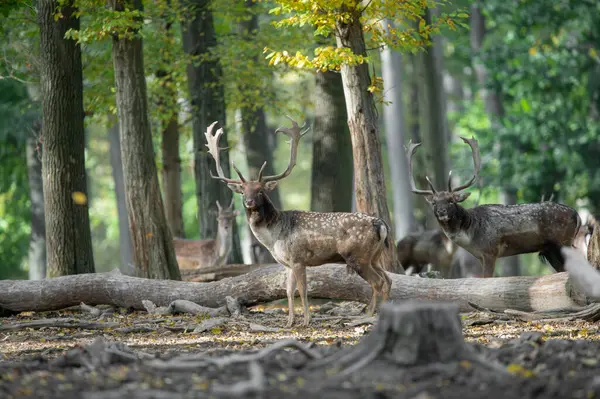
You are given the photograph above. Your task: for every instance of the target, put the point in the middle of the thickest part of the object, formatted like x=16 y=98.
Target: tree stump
x=408 y=334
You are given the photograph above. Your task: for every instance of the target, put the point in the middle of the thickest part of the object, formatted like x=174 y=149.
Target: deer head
x=445 y=203
x=254 y=191
x=225 y=217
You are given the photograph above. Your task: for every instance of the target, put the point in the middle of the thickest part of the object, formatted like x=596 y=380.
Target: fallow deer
x=418 y=249
x=489 y=232
x=196 y=254
x=299 y=239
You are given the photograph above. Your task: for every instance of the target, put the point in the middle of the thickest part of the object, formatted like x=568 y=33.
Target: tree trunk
x=259 y=144
x=116 y=163
x=433 y=120
x=267 y=284
x=395 y=131
x=369 y=176
x=331 y=185
x=37 y=242
x=259 y=148
x=208 y=105
x=495 y=111
x=153 y=252
x=423 y=211
x=170 y=150
x=68 y=239
x=172 y=177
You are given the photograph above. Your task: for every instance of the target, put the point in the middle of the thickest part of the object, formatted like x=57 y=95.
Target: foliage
x=410 y=34
x=542 y=57
x=17 y=114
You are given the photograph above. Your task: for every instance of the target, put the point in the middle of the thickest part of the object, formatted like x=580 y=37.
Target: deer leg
x=290 y=290
x=370 y=275
x=300 y=273
x=489 y=264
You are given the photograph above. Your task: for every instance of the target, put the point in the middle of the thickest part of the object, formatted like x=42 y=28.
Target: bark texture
x=37 y=243
x=208 y=105
x=116 y=163
x=369 y=179
x=268 y=283
x=395 y=133
x=69 y=240
x=172 y=177
x=331 y=185
x=153 y=252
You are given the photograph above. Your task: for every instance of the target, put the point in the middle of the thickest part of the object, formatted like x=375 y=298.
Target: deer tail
x=550 y=254
x=382 y=230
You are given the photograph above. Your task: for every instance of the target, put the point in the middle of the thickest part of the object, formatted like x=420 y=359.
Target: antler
x=212 y=141
x=476 y=162
x=410 y=150
x=295 y=133
x=219 y=207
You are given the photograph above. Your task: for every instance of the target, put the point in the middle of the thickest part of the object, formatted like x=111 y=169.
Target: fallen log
x=207 y=274
x=527 y=293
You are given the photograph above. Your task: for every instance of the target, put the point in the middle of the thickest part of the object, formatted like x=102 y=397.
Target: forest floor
x=75 y=354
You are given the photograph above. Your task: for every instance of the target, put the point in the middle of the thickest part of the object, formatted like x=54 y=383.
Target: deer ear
x=270 y=186
x=460 y=197
x=236 y=212
x=213 y=212
x=236 y=188
x=429 y=199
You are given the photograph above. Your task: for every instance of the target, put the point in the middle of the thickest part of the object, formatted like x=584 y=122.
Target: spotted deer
x=196 y=254
x=300 y=239
x=489 y=232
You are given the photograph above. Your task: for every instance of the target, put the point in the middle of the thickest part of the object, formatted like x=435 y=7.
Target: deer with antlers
x=300 y=239
x=489 y=232
x=195 y=254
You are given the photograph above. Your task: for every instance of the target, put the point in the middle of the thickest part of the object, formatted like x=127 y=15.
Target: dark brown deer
x=298 y=239
x=489 y=232
x=196 y=254
x=418 y=249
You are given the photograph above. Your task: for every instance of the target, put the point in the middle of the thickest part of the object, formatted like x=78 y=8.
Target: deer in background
x=418 y=249
x=300 y=239
x=489 y=232
x=197 y=254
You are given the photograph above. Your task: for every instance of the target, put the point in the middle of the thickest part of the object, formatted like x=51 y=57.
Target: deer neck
x=262 y=221
x=456 y=228
x=263 y=216
x=223 y=242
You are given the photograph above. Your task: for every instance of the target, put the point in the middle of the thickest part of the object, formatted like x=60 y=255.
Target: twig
x=256 y=383
x=58 y=323
x=190 y=362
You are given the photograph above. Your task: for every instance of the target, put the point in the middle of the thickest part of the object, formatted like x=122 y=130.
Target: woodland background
x=523 y=77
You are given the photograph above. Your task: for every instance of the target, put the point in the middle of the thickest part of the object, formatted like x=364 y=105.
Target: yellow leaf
x=79 y=198
x=519 y=370
x=533 y=51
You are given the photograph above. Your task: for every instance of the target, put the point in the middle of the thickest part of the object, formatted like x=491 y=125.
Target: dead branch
x=255 y=384
x=184 y=306
x=58 y=323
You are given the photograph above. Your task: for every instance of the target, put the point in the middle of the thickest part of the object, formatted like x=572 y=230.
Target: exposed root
x=184 y=306
x=255 y=384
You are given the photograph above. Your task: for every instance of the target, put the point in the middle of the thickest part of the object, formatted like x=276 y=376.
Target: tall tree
x=37 y=243
x=332 y=175
x=346 y=19
x=69 y=242
x=168 y=110
x=259 y=144
x=395 y=132
x=495 y=110
x=433 y=119
x=153 y=252
x=116 y=162
x=208 y=105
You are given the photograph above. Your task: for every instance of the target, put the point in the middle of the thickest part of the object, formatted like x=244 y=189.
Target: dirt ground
x=141 y=355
